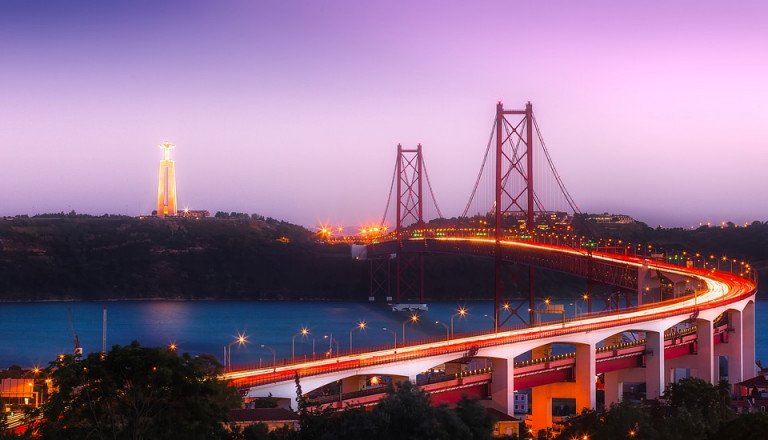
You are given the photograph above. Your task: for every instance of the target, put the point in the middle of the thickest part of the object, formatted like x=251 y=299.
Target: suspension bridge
x=676 y=319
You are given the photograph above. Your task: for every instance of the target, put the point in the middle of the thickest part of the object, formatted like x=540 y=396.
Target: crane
x=75 y=338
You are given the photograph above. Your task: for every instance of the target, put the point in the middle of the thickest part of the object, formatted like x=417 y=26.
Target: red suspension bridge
x=506 y=220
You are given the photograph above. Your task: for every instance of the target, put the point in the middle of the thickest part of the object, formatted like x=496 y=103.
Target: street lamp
x=413 y=319
x=241 y=340
x=447 y=337
x=361 y=326
x=332 y=341
x=303 y=333
x=393 y=334
x=274 y=366
x=462 y=312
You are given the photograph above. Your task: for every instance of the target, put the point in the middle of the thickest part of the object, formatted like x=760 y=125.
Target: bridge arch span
x=716 y=294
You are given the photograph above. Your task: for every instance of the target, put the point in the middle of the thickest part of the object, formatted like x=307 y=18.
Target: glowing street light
x=241 y=340
x=413 y=319
x=462 y=312
x=361 y=326
x=303 y=333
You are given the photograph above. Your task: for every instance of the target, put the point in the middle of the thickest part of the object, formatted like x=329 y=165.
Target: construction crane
x=75 y=338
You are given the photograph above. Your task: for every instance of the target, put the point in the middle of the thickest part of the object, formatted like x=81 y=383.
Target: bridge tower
x=410 y=213
x=514 y=190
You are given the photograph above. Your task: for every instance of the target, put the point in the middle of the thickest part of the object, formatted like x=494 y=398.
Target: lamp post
x=274 y=367
x=303 y=333
x=393 y=334
x=413 y=319
x=496 y=323
x=241 y=340
x=447 y=337
x=332 y=341
x=462 y=312
x=361 y=326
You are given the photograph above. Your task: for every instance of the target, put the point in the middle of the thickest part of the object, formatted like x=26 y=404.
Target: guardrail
x=722 y=264
x=740 y=287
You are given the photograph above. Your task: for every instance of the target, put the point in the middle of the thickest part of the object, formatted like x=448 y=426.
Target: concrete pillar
x=654 y=365
x=703 y=363
x=614 y=388
x=584 y=373
x=503 y=384
x=615 y=382
x=734 y=348
x=643 y=281
x=352 y=383
x=748 y=341
x=541 y=407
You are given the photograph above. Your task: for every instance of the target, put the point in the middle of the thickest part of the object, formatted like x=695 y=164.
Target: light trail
x=720 y=289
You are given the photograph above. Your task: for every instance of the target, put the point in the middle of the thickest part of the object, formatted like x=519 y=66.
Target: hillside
x=74 y=257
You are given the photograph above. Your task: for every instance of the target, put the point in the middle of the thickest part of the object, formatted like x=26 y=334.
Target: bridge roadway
x=719 y=293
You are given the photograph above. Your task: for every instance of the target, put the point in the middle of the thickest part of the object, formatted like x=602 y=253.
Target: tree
x=475 y=417
x=698 y=407
x=752 y=426
x=136 y=392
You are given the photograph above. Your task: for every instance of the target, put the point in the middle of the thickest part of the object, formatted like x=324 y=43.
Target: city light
x=240 y=341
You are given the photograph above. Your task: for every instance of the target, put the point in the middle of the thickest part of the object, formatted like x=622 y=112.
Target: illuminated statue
x=166 y=188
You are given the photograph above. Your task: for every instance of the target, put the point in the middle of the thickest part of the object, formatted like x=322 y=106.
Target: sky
x=293 y=109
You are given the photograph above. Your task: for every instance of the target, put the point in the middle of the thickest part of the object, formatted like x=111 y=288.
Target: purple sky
x=293 y=109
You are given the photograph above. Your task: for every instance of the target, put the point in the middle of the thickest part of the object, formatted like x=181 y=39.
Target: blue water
x=35 y=333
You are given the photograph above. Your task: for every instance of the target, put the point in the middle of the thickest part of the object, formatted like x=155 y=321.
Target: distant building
x=18 y=391
x=752 y=394
x=618 y=219
x=274 y=418
x=196 y=214
x=521 y=403
x=505 y=425
x=166 y=187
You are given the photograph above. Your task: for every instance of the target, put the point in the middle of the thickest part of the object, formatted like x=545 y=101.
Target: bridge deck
x=722 y=289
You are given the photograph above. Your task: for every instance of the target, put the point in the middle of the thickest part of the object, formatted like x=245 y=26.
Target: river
x=33 y=334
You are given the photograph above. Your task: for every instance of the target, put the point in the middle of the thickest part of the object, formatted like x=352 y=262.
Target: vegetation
x=96 y=258
x=404 y=413
x=136 y=392
x=691 y=409
x=235 y=256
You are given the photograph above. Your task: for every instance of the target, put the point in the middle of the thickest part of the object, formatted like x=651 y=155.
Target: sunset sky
x=293 y=109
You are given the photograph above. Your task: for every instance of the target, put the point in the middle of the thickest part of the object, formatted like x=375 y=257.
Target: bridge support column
x=704 y=362
x=643 y=284
x=654 y=365
x=748 y=340
x=352 y=384
x=584 y=373
x=734 y=348
x=503 y=384
x=614 y=383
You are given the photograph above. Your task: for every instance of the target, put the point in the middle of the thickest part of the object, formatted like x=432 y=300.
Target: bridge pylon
x=409 y=268
x=513 y=131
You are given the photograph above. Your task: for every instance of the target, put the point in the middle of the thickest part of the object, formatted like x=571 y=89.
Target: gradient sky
x=293 y=109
